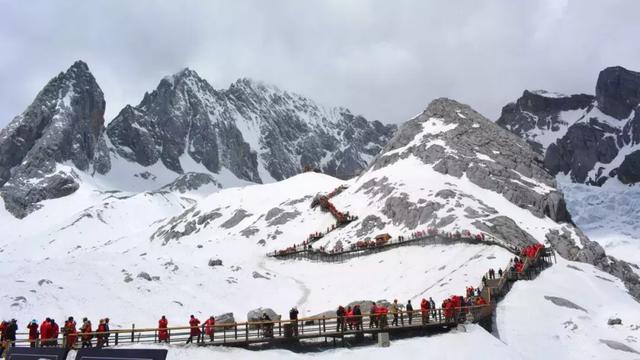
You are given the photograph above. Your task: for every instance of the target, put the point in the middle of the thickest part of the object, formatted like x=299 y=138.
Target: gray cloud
x=384 y=59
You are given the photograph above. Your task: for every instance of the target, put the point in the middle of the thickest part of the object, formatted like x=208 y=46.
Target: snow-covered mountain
x=162 y=213
x=256 y=131
x=249 y=133
x=63 y=125
x=590 y=139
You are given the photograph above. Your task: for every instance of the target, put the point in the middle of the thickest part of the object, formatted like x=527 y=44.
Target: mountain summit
x=590 y=139
x=63 y=125
x=256 y=131
x=248 y=133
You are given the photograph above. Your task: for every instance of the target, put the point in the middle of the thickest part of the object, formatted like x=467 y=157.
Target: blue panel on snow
x=121 y=354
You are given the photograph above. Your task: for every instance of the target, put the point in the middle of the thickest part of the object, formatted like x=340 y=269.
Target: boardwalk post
x=246 y=332
x=235 y=331
x=324 y=324
x=133 y=336
x=279 y=328
x=116 y=338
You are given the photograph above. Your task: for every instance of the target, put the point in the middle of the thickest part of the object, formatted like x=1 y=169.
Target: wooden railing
x=279 y=330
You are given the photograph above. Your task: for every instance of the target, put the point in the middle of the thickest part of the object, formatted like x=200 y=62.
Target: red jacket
x=85 y=331
x=195 y=329
x=424 y=305
x=33 y=331
x=163 y=333
x=45 y=330
x=55 y=330
x=209 y=326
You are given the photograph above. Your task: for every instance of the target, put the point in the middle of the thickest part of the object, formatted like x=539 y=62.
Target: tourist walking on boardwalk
x=424 y=310
x=100 y=337
x=55 y=331
x=85 y=333
x=106 y=336
x=373 y=318
x=340 y=314
x=409 y=309
x=10 y=333
x=163 y=332
x=194 y=324
x=70 y=333
x=209 y=327
x=357 y=314
x=394 y=312
x=45 y=330
x=432 y=306
x=500 y=272
x=33 y=333
x=350 y=317
x=293 y=316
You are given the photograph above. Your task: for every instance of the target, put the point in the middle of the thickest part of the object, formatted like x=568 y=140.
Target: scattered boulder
x=145 y=276
x=614 y=321
x=215 y=262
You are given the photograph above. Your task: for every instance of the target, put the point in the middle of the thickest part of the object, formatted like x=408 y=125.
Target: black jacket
x=10 y=331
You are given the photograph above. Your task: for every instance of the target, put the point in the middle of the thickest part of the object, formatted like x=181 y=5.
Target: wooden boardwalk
x=324 y=330
x=314 y=254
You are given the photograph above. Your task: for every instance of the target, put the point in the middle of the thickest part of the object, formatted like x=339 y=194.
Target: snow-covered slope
x=588 y=138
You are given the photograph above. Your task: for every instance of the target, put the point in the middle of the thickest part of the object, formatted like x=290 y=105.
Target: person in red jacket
x=70 y=332
x=86 y=333
x=163 y=333
x=349 y=316
x=373 y=318
x=54 y=333
x=424 y=309
x=382 y=316
x=195 y=329
x=100 y=338
x=45 y=332
x=209 y=327
x=33 y=333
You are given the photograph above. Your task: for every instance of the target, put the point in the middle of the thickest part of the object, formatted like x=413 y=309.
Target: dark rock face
x=535 y=110
x=247 y=125
x=618 y=91
x=190 y=182
x=629 y=170
x=580 y=135
x=64 y=123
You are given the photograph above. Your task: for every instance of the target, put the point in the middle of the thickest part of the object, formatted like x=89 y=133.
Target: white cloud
x=383 y=59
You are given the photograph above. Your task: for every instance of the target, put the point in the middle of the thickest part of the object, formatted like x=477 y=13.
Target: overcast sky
x=383 y=59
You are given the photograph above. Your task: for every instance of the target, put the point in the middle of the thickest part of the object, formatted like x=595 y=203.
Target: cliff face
x=64 y=124
x=256 y=131
x=589 y=138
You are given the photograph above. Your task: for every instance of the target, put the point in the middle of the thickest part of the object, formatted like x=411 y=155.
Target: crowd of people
x=48 y=333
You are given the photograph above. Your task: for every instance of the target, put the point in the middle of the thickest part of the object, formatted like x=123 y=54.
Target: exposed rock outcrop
x=589 y=138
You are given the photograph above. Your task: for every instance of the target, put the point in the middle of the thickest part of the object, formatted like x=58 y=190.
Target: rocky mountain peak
x=456 y=140
x=64 y=123
x=618 y=91
x=257 y=131
x=588 y=138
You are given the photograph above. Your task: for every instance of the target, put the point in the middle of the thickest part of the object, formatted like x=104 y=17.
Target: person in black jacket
x=10 y=332
x=340 y=313
x=409 y=309
x=357 y=314
x=293 y=316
